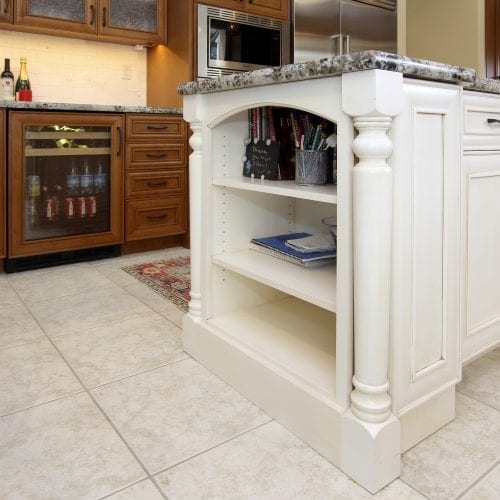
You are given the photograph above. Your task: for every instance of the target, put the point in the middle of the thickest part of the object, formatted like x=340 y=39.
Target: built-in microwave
x=231 y=41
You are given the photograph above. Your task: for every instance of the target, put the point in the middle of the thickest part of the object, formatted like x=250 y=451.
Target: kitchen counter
x=333 y=66
x=97 y=108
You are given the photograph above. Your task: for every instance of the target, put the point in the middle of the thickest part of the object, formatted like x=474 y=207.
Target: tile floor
x=98 y=400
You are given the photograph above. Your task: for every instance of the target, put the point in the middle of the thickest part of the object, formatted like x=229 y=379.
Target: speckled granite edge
x=100 y=108
x=483 y=85
x=332 y=66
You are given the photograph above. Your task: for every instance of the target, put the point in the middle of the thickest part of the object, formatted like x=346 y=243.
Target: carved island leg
x=371 y=434
x=195 y=217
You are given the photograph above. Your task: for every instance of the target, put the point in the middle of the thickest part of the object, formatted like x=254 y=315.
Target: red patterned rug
x=170 y=278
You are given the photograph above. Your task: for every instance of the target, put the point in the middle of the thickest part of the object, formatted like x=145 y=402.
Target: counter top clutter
x=359 y=357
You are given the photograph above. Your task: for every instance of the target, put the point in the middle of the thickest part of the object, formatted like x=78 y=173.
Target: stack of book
x=277 y=246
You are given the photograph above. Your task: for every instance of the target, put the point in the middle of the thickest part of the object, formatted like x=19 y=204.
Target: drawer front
x=481 y=121
x=155 y=127
x=156 y=156
x=140 y=184
x=153 y=218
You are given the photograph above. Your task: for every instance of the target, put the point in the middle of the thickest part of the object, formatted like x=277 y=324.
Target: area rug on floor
x=170 y=278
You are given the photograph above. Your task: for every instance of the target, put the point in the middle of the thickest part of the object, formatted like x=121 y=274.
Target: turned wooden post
x=371 y=434
x=195 y=216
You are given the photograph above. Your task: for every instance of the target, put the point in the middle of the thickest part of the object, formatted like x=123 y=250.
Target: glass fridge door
x=66 y=180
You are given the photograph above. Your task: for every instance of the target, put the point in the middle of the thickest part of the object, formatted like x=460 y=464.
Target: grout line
x=478 y=480
x=222 y=443
x=477 y=400
x=414 y=488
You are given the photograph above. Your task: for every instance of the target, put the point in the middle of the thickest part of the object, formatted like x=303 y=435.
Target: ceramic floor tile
x=486 y=489
x=86 y=310
x=65 y=449
x=8 y=295
x=266 y=463
x=17 y=326
x=145 y=490
x=445 y=464
x=481 y=379
x=31 y=374
x=172 y=413
x=57 y=282
x=117 y=350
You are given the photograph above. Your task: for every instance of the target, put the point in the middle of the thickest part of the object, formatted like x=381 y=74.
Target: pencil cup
x=311 y=167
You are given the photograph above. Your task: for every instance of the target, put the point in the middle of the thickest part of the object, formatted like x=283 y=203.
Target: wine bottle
x=23 y=82
x=7 y=78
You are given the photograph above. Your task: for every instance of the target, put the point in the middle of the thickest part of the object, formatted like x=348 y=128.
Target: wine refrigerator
x=65 y=182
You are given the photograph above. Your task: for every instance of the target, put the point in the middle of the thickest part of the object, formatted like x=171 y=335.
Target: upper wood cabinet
x=271 y=8
x=6 y=12
x=117 y=21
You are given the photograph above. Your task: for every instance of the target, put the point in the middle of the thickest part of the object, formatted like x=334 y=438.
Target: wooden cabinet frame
x=2 y=183
x=17 y=245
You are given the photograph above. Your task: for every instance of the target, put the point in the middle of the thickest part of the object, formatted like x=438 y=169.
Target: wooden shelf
x=316 y=285
x=326 y=193
x=292 y=336
x=66 y=151
x=61 y=134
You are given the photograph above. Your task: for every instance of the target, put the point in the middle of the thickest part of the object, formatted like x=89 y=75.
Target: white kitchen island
x=359 y=359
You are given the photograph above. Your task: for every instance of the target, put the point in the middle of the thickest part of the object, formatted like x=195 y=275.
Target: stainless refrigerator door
x=366 y=27
x=317 y=29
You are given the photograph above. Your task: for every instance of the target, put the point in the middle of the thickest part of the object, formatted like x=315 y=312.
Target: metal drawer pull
x=157 y=127
x=157 y=217
x=493 y=120
x=156 y=155
x=157 y=184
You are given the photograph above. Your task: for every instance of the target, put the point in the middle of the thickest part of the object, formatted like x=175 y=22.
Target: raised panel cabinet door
x=273 y=8
x=6 y=11
x=143 y=21
x=63 y=15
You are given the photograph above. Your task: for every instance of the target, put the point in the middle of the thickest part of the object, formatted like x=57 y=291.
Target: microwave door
x=217 y=45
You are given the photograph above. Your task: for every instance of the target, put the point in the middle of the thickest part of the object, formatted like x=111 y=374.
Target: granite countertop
x=100 y=108
x=483 y=85
x=333 y=66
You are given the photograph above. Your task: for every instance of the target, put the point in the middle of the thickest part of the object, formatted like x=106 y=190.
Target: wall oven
x=231 y=41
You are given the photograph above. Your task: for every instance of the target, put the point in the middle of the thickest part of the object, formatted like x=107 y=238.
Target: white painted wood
x=481 y=217
x=426 y=249
x=327 y=193
x=314 y=285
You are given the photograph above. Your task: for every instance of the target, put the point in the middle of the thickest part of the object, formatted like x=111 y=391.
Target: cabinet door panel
x=6 y=11
x=273 y=8
x=2 y=183
x=141 y=21
x=481 y=216
x=65 y=15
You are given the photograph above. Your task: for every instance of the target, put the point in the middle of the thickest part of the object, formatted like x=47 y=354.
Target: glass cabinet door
x=69 y=15
x=143 y=20
x=66 y=183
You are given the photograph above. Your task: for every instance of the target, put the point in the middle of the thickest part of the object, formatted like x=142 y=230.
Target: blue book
x=276 y=246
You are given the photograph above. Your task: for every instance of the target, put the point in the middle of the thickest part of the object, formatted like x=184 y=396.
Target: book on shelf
x=276 y=246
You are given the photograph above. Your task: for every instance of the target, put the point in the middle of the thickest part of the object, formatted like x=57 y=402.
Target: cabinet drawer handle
x=156 y=184
x=157 y=217
x=120 y=140
x=156 y=155
x=6 y=6
x=92 y=15
x=493 y=120
x=104 y=16
x=157 y=127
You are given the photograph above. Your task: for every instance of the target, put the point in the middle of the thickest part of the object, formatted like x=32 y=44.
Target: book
x=275 y=246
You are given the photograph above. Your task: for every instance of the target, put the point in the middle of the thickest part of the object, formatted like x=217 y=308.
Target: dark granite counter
x=483 y=85
x=97 y=108
x=333 y=66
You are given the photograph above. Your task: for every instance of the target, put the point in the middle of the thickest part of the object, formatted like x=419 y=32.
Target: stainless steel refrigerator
x=324 y=28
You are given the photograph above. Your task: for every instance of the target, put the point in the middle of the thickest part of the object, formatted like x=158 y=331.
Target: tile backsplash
x=78 y=71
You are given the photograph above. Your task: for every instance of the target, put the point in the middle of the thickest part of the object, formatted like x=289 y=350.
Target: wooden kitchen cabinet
x=2 y=185
x=6 y=12
x=65 y=182
x=480 y=225
x=117 y=21
x=272 y=8
x=156 y=176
